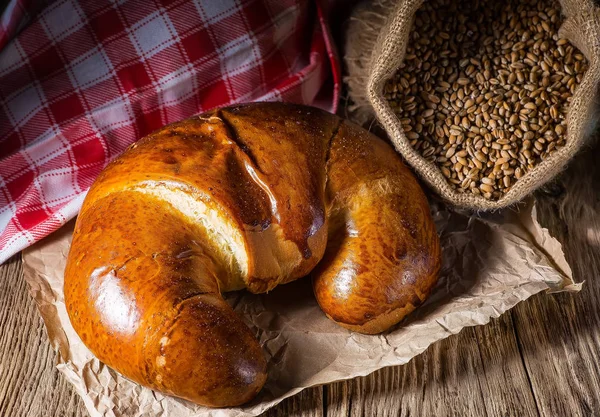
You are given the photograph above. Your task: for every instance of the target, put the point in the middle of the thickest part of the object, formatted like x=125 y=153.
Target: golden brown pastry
x=383 y=252
x=249 y=197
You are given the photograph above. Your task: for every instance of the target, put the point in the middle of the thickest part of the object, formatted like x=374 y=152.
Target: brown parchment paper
x=490 y=264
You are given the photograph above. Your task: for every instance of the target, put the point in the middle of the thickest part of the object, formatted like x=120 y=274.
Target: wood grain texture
x=504 y=382
x=560 y=335
x=30 y=385
x=478 y=372
x=308 y=403
x=432 y=384
x=541 y=359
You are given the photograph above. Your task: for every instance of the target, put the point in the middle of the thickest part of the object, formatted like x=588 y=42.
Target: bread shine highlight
x=251 y=196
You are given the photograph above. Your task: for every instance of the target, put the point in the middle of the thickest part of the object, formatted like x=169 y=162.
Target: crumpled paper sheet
x=489 y=264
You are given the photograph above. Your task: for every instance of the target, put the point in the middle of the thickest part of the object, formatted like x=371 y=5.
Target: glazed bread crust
x=383 y=255
x=250 y=197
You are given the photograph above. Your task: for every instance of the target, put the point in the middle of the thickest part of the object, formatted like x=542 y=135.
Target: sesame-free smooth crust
x=250 y=197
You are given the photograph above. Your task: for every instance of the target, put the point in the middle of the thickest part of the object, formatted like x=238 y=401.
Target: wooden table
x=540 y=359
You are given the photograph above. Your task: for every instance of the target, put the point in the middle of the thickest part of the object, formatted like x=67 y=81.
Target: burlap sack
x=376 y=39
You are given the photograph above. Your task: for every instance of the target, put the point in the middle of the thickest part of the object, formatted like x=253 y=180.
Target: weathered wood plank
x=30 y=385
x=452 y=388
x=561 y=355
x=560 y=335
x=504 y=381
x=473 y=373
x=308 y=403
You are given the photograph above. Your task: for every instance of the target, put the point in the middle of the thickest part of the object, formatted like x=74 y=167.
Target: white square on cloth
x=112 y=115
x=52 y=186
x=216 y=9
x=153 y=34
x=25 y=104
x=90 y=69
x=177 y=86
x=11 y=56
x=240 y=55
x=48 y=146
x=62 y=19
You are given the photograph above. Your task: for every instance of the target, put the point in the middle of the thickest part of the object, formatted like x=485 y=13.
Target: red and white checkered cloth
x=84 y=79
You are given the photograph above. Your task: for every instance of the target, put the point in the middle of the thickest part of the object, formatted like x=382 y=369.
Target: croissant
x=250 y=196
